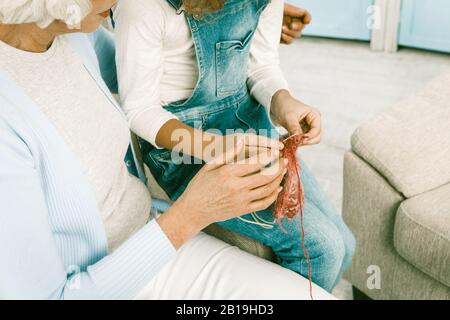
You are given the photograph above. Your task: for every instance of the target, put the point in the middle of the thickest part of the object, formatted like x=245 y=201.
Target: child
x=199 y=65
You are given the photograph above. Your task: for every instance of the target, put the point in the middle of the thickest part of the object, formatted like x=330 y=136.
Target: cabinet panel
x=346 y=19
x=425 y=24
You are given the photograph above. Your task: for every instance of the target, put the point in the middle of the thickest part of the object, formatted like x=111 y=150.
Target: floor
x=349 y=83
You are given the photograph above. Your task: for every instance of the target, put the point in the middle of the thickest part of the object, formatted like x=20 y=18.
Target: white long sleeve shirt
x=157 y=63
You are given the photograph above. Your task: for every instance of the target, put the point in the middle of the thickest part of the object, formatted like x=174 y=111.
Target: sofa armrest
x=410 y=144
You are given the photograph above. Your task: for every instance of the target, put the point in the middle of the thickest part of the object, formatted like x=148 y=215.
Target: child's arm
x=174 y=134
x=140 y=33
x=268 y=85
x=140 y=36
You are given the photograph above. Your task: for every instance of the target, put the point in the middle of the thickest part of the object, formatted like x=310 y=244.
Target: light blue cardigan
x=52 y=240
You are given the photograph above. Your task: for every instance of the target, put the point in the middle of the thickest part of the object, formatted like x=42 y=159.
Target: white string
x=263 y=220
x=264 y=224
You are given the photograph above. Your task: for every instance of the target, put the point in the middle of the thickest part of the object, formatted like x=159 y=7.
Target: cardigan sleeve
x=104 y=45
x=31 y=266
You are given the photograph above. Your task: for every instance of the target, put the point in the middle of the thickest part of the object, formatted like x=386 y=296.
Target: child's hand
x=253 y=144
x=296 y=117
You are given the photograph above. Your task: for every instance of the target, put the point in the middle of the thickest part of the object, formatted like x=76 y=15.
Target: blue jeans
x=329 y=242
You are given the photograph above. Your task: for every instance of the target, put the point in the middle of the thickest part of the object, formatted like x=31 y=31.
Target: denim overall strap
x=177 y=4
x=222 y=42
x=221 y=100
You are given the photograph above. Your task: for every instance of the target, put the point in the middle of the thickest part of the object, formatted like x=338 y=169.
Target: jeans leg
x=315 y=195
x=322 y=240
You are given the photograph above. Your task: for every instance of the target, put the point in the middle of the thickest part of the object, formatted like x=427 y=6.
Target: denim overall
x=221 y=100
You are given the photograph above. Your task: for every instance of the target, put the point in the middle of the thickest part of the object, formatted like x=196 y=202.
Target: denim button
x=128 y=163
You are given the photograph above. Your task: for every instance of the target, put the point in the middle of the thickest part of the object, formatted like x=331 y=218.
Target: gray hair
x=43 y=12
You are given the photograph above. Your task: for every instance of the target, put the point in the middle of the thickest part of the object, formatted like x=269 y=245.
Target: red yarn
x=291 y=199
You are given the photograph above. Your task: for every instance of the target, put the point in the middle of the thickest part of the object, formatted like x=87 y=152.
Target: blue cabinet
x=425 y=24
x=345 y=19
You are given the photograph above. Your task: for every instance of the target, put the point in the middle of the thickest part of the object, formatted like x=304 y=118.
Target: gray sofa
x=397 y=198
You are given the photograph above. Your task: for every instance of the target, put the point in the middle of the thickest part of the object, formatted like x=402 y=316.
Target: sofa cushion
x=422 y=233
x=410 y=144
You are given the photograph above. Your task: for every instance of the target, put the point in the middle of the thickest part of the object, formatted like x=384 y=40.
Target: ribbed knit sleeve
x=32 y=266
x=124 y=273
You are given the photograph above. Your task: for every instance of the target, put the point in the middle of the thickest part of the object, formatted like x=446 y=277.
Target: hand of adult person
x=222 y=190
x=294 y=21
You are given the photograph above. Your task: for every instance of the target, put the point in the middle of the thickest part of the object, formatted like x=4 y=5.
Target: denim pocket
x=232 y=63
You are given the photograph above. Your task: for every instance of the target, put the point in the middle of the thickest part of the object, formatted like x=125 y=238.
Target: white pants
x=207 y=268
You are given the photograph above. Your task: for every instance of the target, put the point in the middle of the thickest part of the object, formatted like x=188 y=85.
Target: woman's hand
x=296 y=117
x=222 y=190
x=294 y=21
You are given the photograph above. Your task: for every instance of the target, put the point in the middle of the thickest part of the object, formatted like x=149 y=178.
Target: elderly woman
x=73 y=222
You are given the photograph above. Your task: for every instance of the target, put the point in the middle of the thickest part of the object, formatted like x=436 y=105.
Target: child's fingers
x=251 y=151
x=316 y=140
x=315 y=126
x=262 y=141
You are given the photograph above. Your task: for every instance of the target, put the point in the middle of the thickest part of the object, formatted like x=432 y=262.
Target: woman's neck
x=29 y=37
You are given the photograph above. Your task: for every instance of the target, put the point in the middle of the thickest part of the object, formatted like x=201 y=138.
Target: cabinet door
x=346 y=19
x=425 y=24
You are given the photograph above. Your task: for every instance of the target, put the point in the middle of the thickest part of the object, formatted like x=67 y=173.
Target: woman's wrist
x=180 y=223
